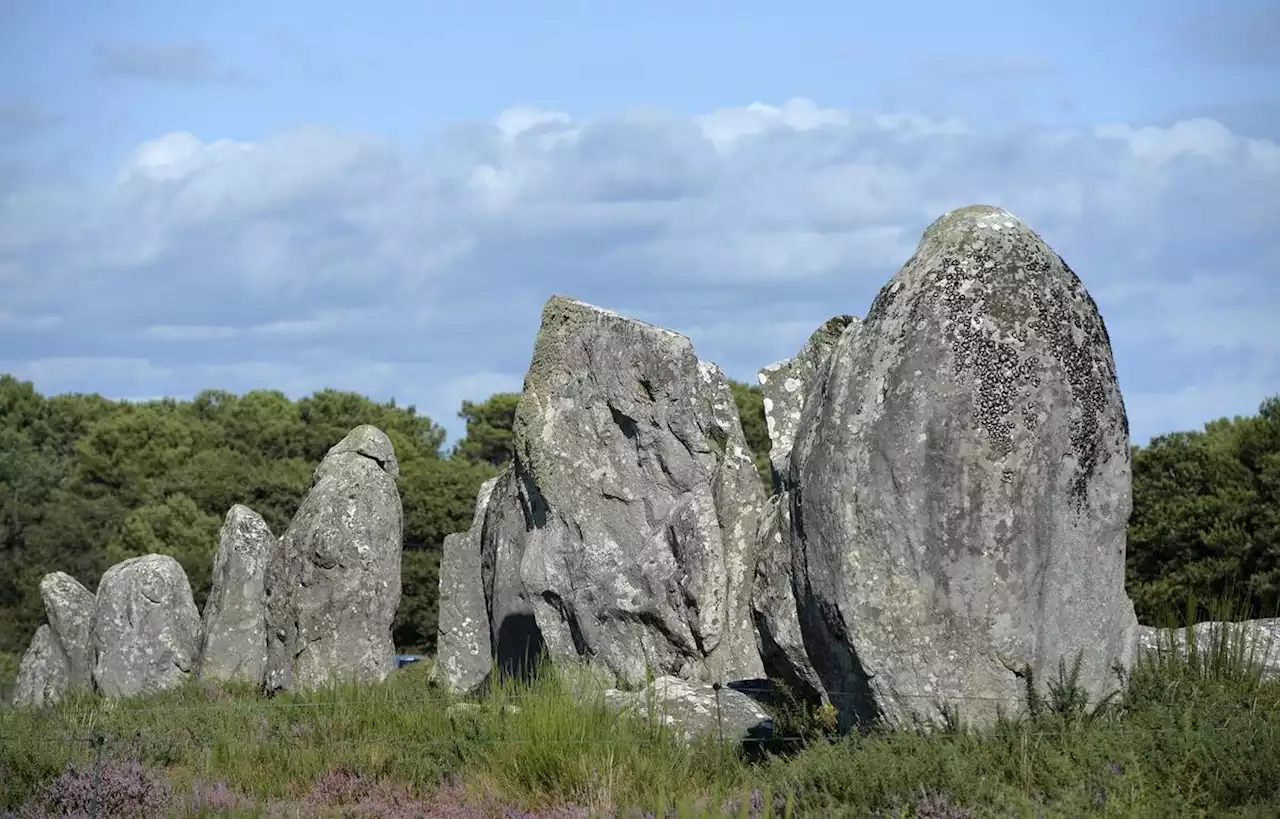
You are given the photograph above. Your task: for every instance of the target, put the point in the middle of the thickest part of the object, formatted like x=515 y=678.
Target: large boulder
x=44 y=675
x=333 y=583
x=234 y=645
x=463 y=644
x=785 y=386
x=624 y=533
x=964 y=485
x=146 y=628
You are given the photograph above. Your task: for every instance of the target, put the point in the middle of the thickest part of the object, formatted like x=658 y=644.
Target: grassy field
x=1193 y=733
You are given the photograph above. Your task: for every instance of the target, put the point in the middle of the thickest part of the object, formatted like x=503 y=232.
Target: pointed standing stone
x=333 y=584
x=234 y=645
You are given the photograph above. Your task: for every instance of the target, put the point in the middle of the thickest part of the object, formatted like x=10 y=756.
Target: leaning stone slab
x=464 y=654
x=69 y=607
x=234 y=646
x=146 y=629
x=773 y=601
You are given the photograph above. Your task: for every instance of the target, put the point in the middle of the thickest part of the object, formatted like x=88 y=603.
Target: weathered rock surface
x=625 y=531
x=234 y=645
x=44 y=674
x=1257 y=641
x=68 y=605
x=773 y=605
x=333 y=583
x=692 y=712
x=146 y=629
x=785 y=386
x=463 y=644
x=964 y=476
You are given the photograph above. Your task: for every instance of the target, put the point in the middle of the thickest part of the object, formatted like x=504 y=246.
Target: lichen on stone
x=1003 y=297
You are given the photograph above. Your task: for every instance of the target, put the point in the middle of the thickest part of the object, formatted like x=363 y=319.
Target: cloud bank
x=314 y=257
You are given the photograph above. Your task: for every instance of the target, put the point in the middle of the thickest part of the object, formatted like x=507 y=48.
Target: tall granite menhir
x=964 y=476
x=624 y=534
x=333 y=583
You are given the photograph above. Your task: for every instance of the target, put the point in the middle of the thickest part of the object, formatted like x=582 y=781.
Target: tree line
x=86 y=482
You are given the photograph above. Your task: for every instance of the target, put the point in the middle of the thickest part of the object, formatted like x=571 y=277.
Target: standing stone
x=624 y=535
x=463 y=643
x=333 y=584
x=44 y=673
x=69 y=607
x=964 y=485
x=234 y=646
x=785 y=386
x=146 y=629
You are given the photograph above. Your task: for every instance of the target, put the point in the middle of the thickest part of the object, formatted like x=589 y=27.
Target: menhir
x=963 y=478
x=624 y=534
x=333 y=582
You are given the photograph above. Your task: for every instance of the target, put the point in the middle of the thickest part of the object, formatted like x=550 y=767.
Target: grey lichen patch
x=1005 y=299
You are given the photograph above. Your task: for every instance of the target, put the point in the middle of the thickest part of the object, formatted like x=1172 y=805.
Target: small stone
x=696 y=710
x=44 y=673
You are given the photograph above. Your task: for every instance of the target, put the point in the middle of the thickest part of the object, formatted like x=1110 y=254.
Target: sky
x=379 y=197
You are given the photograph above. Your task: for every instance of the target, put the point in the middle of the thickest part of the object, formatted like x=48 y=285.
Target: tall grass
x=1194 y=731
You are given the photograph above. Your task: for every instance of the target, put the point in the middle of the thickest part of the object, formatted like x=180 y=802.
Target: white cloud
x=316 y=257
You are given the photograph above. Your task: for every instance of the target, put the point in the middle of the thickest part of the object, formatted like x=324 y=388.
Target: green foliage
x=1206 y=516
x=489 y=439
x=176 y=527
x=750 y=401
x=86 y=482
x=439 y=498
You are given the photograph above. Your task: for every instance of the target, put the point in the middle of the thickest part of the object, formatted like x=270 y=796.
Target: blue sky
x=379 y=197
